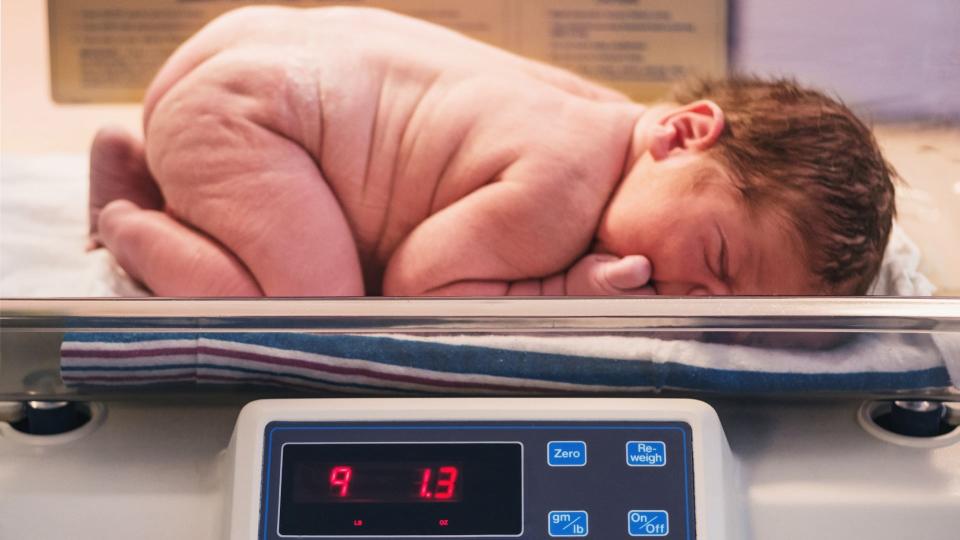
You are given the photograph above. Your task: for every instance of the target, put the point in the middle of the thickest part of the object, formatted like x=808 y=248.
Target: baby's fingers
x=628 y=275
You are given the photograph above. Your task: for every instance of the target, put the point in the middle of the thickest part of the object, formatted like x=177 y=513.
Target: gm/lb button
x=648 y=523
x=646 y=453
x=566 y=453
x=567 y=523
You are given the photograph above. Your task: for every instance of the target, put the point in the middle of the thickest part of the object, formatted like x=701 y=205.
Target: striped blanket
x=500 y=364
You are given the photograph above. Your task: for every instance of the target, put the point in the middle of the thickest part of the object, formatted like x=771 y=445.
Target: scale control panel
x=603 y=479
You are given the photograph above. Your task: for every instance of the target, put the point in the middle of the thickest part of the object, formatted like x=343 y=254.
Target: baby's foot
x=118 y=170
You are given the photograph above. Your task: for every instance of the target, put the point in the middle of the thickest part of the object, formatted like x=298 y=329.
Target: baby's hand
x=599 y=274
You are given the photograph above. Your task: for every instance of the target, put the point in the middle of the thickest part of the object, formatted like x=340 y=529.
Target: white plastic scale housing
x=715 y=490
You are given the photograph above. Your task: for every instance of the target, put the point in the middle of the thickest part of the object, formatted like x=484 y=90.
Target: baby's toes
x=118 y=170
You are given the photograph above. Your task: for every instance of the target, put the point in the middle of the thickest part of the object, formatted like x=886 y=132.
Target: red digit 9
x=340 y=480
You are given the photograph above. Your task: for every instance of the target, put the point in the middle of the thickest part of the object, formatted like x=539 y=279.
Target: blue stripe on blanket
x=456 y=361
x=132 y=337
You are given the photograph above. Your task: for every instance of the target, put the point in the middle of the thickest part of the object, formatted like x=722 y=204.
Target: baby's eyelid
x=723 y=263
x=712 y=263
x=724 y=269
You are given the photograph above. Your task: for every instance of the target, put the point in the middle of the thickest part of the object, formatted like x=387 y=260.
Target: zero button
x=566 y=453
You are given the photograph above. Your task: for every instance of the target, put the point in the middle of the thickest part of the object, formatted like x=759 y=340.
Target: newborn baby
x=352 y=151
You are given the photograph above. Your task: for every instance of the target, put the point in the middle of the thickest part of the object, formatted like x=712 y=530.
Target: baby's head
x=750 y=186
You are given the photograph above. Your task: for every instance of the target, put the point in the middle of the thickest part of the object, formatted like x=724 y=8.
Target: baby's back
x=401 y=118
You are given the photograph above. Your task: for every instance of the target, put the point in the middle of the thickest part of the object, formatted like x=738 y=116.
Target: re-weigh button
x=648 y=523
x=646 y=453
x=563 y=523
x=566 y=453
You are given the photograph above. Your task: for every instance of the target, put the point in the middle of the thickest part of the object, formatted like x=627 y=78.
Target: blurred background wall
x=896 y=60
x=892 y=60
x=29 y=120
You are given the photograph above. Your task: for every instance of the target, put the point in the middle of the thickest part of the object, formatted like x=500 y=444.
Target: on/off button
x=648 y=523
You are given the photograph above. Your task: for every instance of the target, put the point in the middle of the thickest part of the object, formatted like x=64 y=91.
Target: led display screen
x=392 y=489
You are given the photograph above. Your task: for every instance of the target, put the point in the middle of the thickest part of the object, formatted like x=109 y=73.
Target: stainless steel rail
x=501 y=315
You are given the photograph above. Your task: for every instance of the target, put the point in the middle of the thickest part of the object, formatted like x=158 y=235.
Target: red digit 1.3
x=425 y=484
x=340 y=480
x=446 y=482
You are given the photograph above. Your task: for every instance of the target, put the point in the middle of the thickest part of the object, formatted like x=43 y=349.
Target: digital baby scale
x=479 y=468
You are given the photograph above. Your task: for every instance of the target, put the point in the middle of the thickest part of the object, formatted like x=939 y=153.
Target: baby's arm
x=490 y=243
x=593 y=275
x=532 y=223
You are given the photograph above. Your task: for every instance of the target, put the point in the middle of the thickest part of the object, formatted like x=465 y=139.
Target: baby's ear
x=693 y=127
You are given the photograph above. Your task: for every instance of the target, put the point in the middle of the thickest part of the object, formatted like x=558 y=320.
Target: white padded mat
x=43 y=224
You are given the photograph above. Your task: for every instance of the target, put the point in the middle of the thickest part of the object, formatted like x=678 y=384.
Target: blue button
x=648 y=523
x=566 y=453
x=646 y=453
x=567 y=523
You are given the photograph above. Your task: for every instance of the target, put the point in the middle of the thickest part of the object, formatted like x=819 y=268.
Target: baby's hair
x=807 y=158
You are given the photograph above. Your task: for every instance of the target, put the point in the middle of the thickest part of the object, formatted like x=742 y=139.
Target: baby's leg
x=278 y=215
x=225 y=145
x=118 y=170
x=170 y=258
